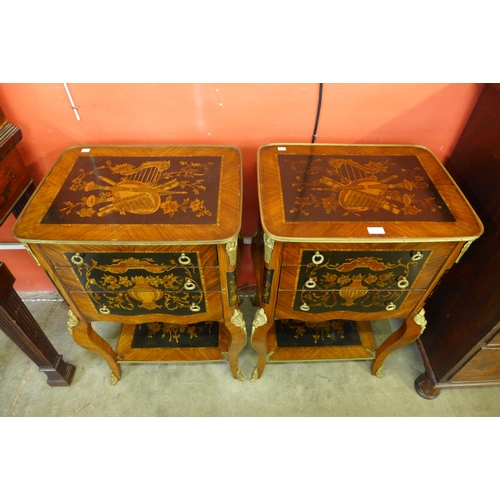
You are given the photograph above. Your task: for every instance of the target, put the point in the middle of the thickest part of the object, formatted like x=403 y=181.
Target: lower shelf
x=155 y=342
x=291 y=340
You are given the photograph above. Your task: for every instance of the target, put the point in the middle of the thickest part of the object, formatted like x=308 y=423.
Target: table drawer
x=391 y=303
x=118 y=279
x=129 y=256
x=341 y=277
x=484 y=366
x=134 y=305
x=294 y=253
x=399 y=266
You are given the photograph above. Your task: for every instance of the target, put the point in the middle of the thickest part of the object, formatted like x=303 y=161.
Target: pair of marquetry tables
x=149 y=237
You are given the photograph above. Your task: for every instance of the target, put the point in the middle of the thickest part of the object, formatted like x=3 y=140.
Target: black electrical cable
x=318 y=112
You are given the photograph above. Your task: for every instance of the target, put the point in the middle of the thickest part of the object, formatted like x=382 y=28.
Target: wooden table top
x=360 y=193
x=137 y=194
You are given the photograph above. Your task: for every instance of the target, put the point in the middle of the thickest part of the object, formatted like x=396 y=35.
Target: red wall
x=242 y=115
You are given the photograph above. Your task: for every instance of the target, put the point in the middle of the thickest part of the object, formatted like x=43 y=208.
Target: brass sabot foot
x=240 y=376
x=255 y=375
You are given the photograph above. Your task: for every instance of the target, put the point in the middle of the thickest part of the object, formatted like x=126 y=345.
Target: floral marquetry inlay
x=140 y=190
x=158 y=334
x=350 y=188
x=355 y=281
x=155 y=282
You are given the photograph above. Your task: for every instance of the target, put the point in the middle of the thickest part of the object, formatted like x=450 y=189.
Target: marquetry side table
x=350 y=234
x=147 y=237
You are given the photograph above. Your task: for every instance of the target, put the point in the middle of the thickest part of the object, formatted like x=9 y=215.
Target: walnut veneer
x=144 y=236
x=350 y=234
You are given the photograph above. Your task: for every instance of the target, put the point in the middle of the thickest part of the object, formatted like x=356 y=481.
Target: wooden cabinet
x=350 y=234
x=147 y=237
x=16 y=186
x=461 y=346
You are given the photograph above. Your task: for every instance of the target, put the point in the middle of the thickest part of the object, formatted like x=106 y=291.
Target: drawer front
x=153 y=304
x=484 y=366
x=362 y=270
x=357 y=281
x=378 y=303
x=118 y=278
x=78 y=256
x=418 y=263
x=293 y=252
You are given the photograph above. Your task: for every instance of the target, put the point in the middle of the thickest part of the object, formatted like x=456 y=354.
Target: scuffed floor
x=317 y=389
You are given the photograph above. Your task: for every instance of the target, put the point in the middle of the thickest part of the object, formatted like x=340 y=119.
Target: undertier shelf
x=163 y=342
x=293 y=340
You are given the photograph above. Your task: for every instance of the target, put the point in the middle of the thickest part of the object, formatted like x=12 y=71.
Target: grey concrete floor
x=315 y=389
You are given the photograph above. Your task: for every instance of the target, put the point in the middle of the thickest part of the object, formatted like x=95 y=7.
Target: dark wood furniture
x=350 y=234
x=16 y=186
x=461 y=346
x=147 y=237
x=19 y=325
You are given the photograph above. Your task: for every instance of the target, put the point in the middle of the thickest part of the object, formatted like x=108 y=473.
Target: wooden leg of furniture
x=19 y=325
x=85 y=336
x=237 y=329
x=234 y=323
x=258 y=263
x=425 y=387
x=260 y=329
x=408 y=332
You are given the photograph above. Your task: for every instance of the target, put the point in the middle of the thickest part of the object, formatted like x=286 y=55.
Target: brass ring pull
x=184 y=260
x=390 y=306
x=317 y=258
x=104 y=310
x=77 y=259
x=304 y=307
x=189 y=285
x=310 y=283
x=416 y=255
x=193 y=307
x=403 y=282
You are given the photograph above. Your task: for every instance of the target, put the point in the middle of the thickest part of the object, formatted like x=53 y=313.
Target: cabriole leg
x=260 y=327
x=85 y=336
x=238 y=331
x=408 y=332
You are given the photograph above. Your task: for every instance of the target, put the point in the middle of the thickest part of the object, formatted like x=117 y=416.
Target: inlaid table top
x=140 y=194
x=314 y=192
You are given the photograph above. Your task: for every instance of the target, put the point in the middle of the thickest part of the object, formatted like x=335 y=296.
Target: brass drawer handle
x=416 y=255
x=390 y=306
x=403 y=282
x=317 y=258
x=193 y=307
x=189 y=285
x=77 y=259
x=104 y=310
x=310 y=283
x=184 y=260
x=304 y=307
